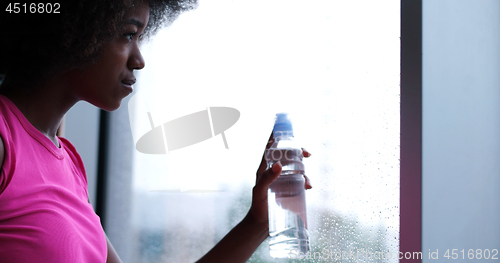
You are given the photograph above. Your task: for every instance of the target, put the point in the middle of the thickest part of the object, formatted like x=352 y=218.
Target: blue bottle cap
x=282 y=125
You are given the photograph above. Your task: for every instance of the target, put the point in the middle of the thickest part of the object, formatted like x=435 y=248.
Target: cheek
x=104 y=74
x=113 y=65
x=108 y=71
x=94 y=81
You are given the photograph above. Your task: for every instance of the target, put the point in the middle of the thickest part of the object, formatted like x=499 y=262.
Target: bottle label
x=284 y=155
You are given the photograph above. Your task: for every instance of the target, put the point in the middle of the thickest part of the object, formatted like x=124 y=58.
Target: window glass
x=334 y=65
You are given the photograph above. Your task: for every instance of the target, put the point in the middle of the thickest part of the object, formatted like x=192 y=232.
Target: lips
x=128 y=82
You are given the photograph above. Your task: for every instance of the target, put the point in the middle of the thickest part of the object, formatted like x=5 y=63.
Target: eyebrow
x=134 y=21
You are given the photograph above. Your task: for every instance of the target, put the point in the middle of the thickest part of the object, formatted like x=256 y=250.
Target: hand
x=259 y=209
x=239 y=244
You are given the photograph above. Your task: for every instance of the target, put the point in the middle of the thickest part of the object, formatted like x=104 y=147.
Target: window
x=333 y=64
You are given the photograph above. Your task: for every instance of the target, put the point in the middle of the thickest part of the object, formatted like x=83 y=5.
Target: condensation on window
x=334 y=65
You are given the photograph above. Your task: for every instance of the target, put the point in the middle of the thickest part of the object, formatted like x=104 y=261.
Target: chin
x=111 y=107
x=107 y=106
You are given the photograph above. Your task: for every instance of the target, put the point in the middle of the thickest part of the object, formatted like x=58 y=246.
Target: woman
x=89 y=51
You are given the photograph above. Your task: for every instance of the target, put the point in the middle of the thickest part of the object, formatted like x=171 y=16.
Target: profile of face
x=107 y=81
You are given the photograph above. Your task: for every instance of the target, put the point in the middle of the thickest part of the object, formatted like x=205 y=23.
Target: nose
x=136 y=61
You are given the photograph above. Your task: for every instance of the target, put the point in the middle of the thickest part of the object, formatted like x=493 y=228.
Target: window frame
x=410 y=224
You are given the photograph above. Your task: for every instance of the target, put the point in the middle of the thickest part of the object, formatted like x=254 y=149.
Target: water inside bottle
x=287 y=216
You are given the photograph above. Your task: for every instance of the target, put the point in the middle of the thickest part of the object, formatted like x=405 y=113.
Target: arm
x=240 y=243
x=112 y=255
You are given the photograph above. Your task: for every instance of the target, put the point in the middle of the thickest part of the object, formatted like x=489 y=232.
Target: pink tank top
x=44 y=211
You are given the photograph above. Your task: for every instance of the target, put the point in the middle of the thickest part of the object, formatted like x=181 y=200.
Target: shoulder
x=3 y=176
x=4 y=129
x=8 y=140
x=2 y=152
x=5 y=147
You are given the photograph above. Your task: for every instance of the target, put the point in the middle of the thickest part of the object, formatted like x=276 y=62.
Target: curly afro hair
x=37 y=46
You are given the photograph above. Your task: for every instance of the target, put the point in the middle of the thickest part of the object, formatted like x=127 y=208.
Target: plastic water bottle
x=286 y=196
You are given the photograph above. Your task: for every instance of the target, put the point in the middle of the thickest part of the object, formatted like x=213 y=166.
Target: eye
x=130 y=35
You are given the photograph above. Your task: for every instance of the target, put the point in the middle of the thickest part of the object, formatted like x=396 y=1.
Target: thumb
x=265 y=180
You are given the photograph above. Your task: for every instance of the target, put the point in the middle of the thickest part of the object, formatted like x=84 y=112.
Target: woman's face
x=106 y=82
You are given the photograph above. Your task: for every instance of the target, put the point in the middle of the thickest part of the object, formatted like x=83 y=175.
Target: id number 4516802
x=33 y=8
x=471 y=254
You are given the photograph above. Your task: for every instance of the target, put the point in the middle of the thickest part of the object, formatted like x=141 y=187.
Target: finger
x=308 y=184
x=306 y=153
x=263 y=162
x=270 y=141
x=265 y=180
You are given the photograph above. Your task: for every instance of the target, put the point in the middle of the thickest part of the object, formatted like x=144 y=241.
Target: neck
x=43 y=105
